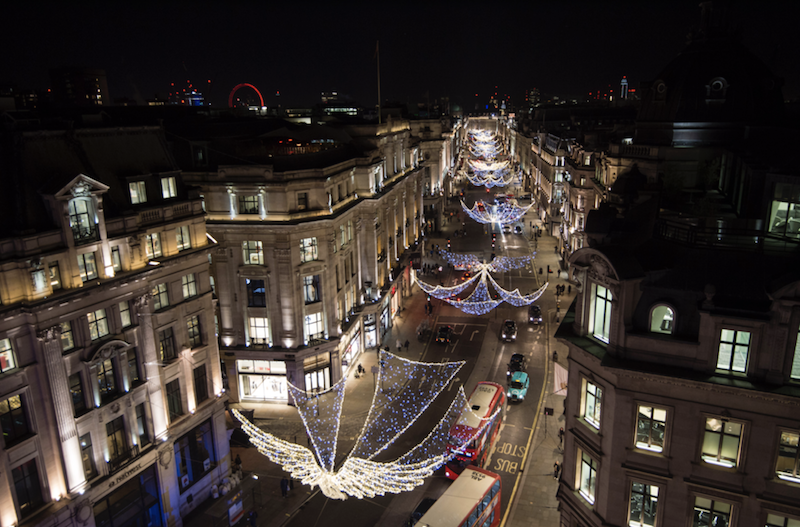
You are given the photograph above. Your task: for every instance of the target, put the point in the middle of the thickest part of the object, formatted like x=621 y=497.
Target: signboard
x=235 y=509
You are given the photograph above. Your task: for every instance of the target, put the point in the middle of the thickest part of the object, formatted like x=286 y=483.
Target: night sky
x=426 y=48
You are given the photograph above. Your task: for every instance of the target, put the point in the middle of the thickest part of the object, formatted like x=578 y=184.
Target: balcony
x=85 y=234
x=122 y=459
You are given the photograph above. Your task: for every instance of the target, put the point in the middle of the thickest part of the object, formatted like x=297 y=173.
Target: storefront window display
x=262 y=380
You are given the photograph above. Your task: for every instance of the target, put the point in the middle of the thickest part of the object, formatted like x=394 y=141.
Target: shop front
x=317 y=371
x=352 y=351
x=134 y=499
x=262 y=380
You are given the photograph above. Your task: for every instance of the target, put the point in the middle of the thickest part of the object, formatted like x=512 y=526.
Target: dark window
x=194 y=455
x=200 y=384
x=174 y=399
x=87 y=454
x=193 y=326
x=302 y=201
x=134 y=503
x=29 y=492
x=87 y=267
x=117 y=445
x=13 y=420
x=133 y=366
x=166 y=345
x=125 y=313
x=141 y=425
x=76 y=389
x=256 y=293
x=106 y=382
x=248 y=204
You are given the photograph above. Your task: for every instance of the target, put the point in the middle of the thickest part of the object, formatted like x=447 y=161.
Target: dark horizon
x=570 y=48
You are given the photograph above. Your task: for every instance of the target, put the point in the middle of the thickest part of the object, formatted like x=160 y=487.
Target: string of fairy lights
x=507 y=212
x=404 y=390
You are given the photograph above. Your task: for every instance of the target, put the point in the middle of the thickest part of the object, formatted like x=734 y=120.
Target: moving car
x=517 y=229
x=509 y=330
x=506 y=229
x=518 y=388
x=534 y=314
x=518 y=362
x=444 y=335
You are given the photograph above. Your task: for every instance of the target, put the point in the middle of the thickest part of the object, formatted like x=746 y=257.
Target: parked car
x=444 y=335
x=518 y=388
x=509 y=331
x=518 y=362
x=420 y=511
x=534 y=314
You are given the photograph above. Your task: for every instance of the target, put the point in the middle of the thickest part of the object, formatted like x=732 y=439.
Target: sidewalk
x=534 y=502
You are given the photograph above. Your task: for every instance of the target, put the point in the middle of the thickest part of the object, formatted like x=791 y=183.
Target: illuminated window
x=711 y=513
x=87 y=455
x=138 y=192
x=87 y=267
x=591 y=402
x=302 y=200
x=259 y=330
x=153 y=245
x=795 y=370
x=248 y=204
x=184 y=239
x=651 y=424
x=775 y=520
x=308 y=250
x=67 y=339
x=116 y=260
x=98 y=324
x=587 y=476
x=311 y=289
x=160 y=297
x=193 y=327
x=662 y=319
x=733 y=350
x=6 y=356
x=166 y=345
x=81 y=220
x=168 y=189
x=55 y=276
x=313 y=326
x=601 y=320
x=788 y=466
x=116 y=441
x=125 y=313
x=188 y=285
x=253 y=253
x=643 y=505
x=721 y=442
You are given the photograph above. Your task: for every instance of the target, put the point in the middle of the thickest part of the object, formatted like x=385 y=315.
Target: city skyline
x=426 y=51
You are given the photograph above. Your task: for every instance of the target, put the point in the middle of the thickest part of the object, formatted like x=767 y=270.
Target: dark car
x=534 y=314
x=509 y=331
x=444 y=335
x=420 y=511
x=518 y=362
x=517 y=229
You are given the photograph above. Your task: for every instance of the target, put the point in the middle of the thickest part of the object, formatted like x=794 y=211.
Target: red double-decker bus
x=473 y=500
x=488 y=399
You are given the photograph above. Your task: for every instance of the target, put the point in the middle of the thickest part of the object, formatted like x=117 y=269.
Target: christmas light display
x=503 y=213
x=480 y=301
x=404 y=390
x=491 y=179
x=487 y=166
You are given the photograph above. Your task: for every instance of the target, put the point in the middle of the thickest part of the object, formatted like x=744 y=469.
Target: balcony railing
x=85 y=234
x=122 y=459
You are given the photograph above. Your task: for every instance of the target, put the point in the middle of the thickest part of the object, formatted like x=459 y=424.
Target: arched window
x=662 y=319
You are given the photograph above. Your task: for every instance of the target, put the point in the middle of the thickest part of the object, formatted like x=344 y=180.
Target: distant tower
x=623 y=88
x=188 y=96
x=79 y=87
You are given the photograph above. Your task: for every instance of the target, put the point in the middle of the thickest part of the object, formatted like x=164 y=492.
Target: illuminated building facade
x=111 y=394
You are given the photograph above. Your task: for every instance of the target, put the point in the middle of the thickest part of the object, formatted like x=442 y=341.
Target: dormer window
x=662 y=319
x=168 y=189
x=82 y=220
x=138 y=192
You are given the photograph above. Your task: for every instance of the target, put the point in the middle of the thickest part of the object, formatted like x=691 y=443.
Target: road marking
x=472 y=337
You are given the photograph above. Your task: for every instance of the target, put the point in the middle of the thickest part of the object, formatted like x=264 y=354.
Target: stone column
x=151 y=361
x=62 y=407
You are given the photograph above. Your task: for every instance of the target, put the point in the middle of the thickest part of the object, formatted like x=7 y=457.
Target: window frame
x=7 y=355
x=87 y=447
x=247 y=204
x=654 y=408
x=590 y=496
x=644 y=494
x=116 y=259
x=596 y=420
x=254 y=297
x=188 y=286
x=200 y=383
x=717 y=460
x=160 y=294
x=711 y=509
x=170 y=190
x=311 y=289
x=183 y=238
x=660 y=330
x=79 y=406
x=792 y=476
x=734 y=345
x=153 y=247
x=137 y=192
x=85 y=261
x=97 y=323
x=125 y=314
x=255 y=328
x=174 y=403
x=193 y=328
x=17 y=418
x=309 y=249
x=116 y=437
x=29 y=506
x=107 y=385
x=607 y=303
x=142 y=429
x=167 y=351
x=252 y=248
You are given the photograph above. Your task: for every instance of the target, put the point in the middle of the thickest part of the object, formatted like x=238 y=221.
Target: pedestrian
x=360 y=369
x=399 y=346
x=407 y=344
x=556 y=470
x=251 y=519
x=285 y=486
x=561 y=436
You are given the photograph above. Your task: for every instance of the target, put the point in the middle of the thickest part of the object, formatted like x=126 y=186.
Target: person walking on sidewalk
x=407 y=343
x=284 y=487
x=399 y=346
x=556 y=470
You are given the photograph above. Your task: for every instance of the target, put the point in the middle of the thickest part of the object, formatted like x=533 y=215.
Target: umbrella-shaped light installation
x=503 y=213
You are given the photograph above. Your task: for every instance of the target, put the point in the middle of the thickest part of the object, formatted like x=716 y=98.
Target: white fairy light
x=503 y=213
x=405 y=389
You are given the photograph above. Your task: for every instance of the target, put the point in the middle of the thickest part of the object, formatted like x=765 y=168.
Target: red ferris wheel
x=244 y=85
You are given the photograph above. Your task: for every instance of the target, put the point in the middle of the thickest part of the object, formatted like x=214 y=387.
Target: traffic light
x=548 y=270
